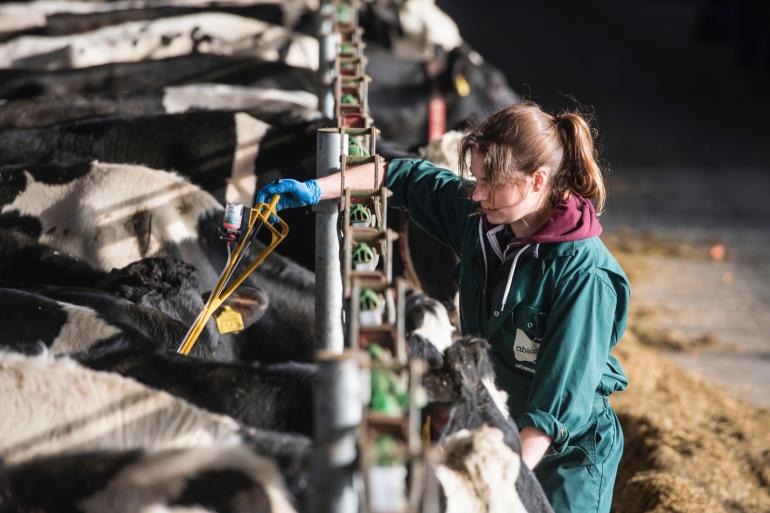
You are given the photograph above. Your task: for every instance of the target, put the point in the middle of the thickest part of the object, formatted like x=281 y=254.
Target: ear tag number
x=229 y=321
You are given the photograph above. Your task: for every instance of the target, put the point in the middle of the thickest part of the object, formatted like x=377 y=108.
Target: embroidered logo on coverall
x=525 y=350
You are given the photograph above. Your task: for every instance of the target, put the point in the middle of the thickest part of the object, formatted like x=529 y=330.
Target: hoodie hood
x=572 y=219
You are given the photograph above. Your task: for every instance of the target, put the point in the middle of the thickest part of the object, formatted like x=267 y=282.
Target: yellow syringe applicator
x=259 y=216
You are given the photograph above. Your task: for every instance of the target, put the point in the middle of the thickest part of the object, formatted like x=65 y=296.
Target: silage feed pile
x=691 y=445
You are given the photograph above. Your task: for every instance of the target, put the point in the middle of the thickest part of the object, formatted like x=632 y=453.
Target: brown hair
x=522 y=137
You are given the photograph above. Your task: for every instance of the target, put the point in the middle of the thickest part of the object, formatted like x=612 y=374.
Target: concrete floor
x=685 y=135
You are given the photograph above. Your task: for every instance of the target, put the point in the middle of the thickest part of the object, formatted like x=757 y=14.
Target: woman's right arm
x=434 y=197
x=356 y=177
x=294 y=193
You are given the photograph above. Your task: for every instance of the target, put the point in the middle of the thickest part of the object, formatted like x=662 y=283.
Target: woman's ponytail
x=579 y=172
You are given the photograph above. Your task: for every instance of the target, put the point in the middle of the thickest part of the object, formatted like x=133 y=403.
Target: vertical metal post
x=327 y=53
x=328 y=277
x=337 y=407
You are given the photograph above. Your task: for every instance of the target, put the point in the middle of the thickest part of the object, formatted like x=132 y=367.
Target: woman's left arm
x=534 y=443
x=572 y=357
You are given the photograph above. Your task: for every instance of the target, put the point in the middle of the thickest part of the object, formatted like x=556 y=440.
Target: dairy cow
x=401 y=89
x=44 y=17
x=272 y=106
x=272 y=397
x=209 y=32
x=275 y=397
x=163 y=283
x=34 y=322
x=411 y=28
x=191 y=480
x=123 y=78
x=55 y=19
x=66 y=319
x=158 y=297
x=479 y=472
x=110 y=215
x=216 y=150
x=463 y=397
x=60 y=419
x=476 y=471
x=430 y=331
x=55 y=406
x=220 y=151
x=112 y=406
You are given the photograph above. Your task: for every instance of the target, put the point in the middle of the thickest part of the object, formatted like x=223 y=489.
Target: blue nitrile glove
x=293 y=193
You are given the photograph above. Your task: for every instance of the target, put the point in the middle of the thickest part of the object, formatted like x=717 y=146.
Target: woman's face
x=513 y=199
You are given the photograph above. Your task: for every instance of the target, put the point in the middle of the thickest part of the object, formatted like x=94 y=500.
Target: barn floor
x=685 y=136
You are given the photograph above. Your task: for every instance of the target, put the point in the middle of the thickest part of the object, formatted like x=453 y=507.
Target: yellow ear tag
x=426 y=438
x=229 y=321
x=462 y=85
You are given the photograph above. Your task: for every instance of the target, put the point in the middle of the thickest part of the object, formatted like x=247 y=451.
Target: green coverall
x=550 y=341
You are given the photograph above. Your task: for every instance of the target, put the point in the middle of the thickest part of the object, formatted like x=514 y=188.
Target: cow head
x=463 y=394
x=171 y=286
x=429 y=329
x=163 y=283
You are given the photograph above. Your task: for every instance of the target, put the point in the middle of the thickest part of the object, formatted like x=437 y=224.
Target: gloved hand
x=293 y=193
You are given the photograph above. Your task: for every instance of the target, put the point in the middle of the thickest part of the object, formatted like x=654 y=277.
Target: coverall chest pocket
x=518 y=342
x=524 y=334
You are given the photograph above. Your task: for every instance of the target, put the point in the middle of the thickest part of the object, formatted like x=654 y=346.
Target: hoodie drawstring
x=484 y=254
x=510 y=275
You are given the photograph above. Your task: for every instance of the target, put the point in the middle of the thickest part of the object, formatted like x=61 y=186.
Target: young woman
x=535 y=280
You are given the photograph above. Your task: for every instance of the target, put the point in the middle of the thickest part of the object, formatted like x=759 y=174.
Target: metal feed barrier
x=369 y=453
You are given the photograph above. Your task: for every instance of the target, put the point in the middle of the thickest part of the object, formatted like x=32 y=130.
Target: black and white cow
x=410 y=28
x=478 y=471
x=463 y=396
x=158 y=297
x=98 y=411
x=43 y=17
x=123 y=78
x=271 y=106
x=400 y=91
x=111 y=215
x=475 y=469
x=34 y=322
x=68 y=319
x=229 y=479
x=217 y=150
x=56 y=406
x=429 y=329
x=164 y=283
x=209 y=32
x=274 y=397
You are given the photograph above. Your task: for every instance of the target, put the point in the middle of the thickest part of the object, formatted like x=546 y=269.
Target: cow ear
x=250 y=302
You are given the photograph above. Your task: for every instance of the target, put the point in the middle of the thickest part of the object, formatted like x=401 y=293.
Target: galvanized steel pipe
x=330 y=146
x=337 y=409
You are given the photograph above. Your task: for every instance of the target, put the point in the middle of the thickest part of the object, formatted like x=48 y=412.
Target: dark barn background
x=680 y=94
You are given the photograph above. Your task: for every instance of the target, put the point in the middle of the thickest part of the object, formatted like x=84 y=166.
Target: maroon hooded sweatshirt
x=572 y=219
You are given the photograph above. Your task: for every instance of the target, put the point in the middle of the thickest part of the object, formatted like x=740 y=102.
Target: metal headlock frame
x=350 y=423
